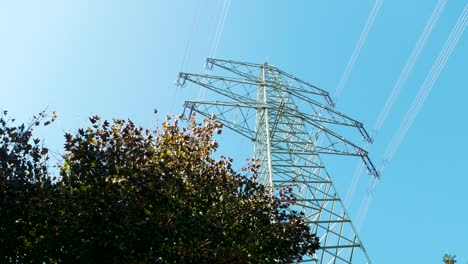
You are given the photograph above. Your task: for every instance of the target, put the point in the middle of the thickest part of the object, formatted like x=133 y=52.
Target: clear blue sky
x=121 y=59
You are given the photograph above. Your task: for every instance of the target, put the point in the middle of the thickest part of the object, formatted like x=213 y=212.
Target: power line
x=365 y=204
x=188 y=46
x=219 y=29
x=216 y=40
x=407 y=69
x=419 y=100
x=187 y=50
x=410 y=64
x=427 y=85
x=357 y=48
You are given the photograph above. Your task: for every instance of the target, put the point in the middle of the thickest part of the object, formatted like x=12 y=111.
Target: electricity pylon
x=292 y=123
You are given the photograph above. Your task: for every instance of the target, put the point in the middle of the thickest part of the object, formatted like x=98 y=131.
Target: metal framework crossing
x=292 y=123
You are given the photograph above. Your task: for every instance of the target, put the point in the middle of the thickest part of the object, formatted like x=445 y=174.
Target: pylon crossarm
x=251 y=105
x=334 y=139
x=252 y=76
x=290 y=113
x=304 y=86
x=227 y=85
x=333 y=143
x=370 y=166
x=218 y=62
x=332 y=118
x=316 y=120
x=240 y=90
x=221 y=112
x=251 y=71
x=194 y=76
x=325 y=114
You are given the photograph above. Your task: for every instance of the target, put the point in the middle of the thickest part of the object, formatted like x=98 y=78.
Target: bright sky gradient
x=121 y=59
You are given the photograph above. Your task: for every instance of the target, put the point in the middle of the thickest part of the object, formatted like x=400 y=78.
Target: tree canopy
x=449 y=259
x=131 y=195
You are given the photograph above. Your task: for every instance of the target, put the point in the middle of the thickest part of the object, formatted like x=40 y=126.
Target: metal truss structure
x=292 y=123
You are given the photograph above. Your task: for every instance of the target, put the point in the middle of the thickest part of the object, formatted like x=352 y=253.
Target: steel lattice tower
x=292 y=123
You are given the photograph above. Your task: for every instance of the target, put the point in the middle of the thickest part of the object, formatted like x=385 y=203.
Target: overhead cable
x=407 y=69
x=419 y=100
x=357 y=48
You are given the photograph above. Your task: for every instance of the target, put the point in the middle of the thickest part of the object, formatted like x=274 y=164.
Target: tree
x=449 y=259
x=130 y=195
x=24 y=183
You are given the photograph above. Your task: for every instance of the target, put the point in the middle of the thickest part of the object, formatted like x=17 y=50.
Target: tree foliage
x=449 y=259
x=131 y=195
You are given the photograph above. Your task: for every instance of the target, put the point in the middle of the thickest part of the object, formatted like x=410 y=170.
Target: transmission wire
x=419 y=100
x=216 y=40
x=357 y=48
x=187 y=50
x=407 y=69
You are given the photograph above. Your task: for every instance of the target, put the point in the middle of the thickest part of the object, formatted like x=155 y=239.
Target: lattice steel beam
x=292 y=123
